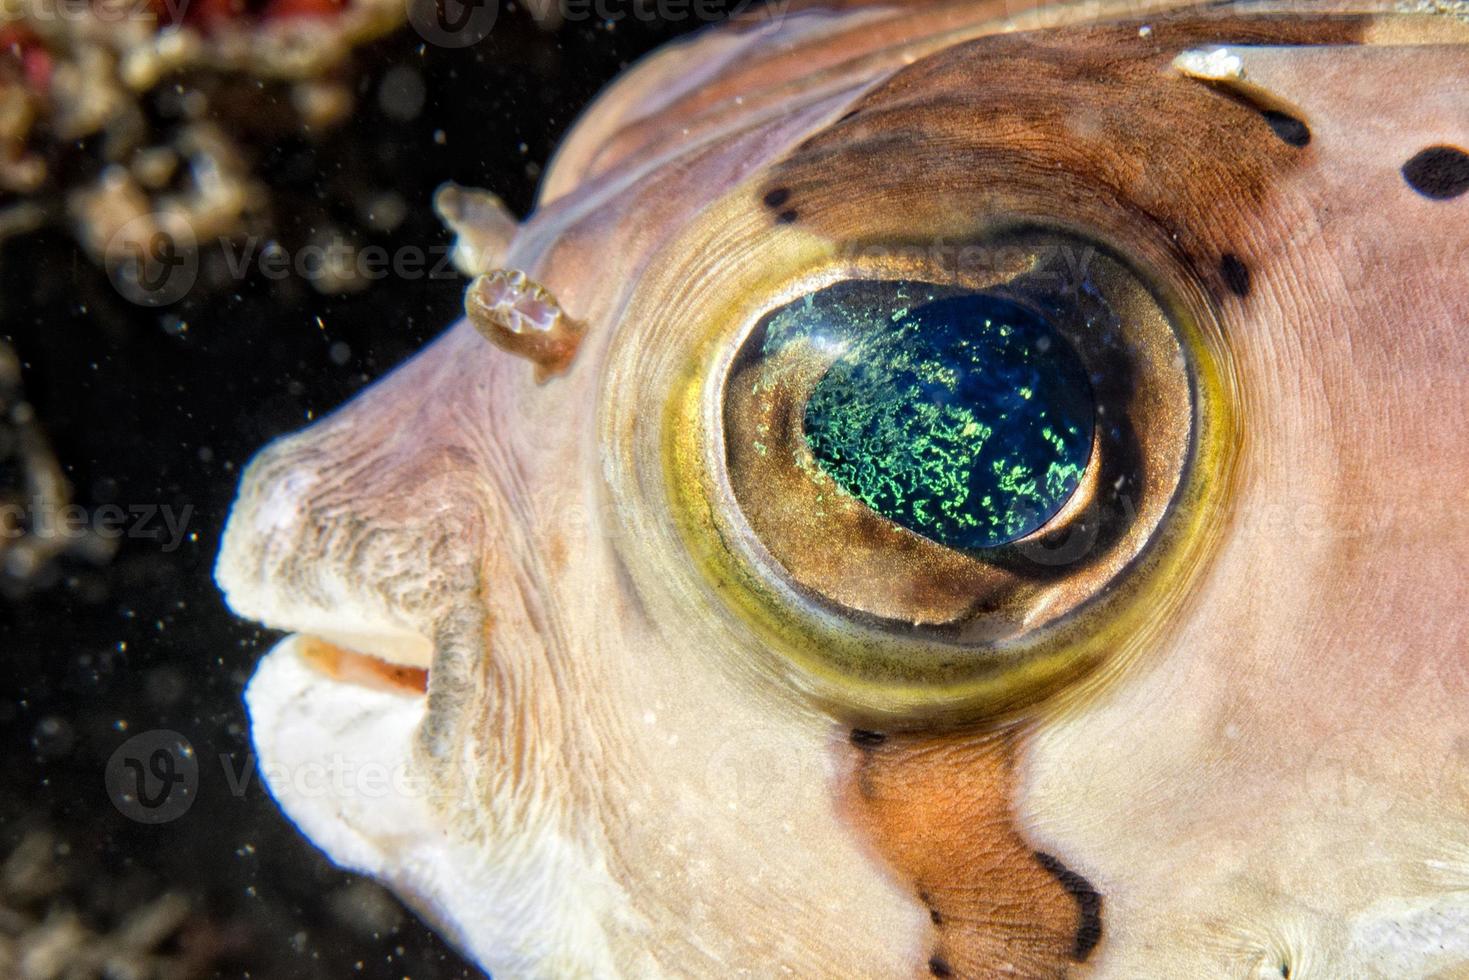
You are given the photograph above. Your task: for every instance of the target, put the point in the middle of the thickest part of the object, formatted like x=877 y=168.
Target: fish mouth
x=351 y=665
x=334 y=732
x=338 y=631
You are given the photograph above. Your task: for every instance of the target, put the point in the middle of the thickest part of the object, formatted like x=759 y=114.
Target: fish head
x=712 y=640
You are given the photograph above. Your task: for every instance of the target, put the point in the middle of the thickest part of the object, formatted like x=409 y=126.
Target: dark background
x=163 y=407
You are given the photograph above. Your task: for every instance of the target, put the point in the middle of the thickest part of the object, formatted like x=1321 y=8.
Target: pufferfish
x=945 y=489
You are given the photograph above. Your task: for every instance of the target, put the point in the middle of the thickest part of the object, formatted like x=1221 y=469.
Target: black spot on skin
x=1088 y=906
x=777 y=197
x=787 y=216
x=867 y=739
x=939 y=966
x=1236 y=274
x=1290 y=129
x=1439 y=172
x=936 y=916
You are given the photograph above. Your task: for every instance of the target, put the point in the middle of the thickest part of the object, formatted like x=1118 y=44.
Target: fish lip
x=338 y=759
x=349 y=766
x=299 y=716
x=346 y=634
x=350 y=665
x=292 y=560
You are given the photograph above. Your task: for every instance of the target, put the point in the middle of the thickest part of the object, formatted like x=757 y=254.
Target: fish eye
x=948 y=486
x=966 y=419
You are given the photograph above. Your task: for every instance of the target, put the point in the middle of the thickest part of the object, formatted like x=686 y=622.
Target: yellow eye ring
x=868 y=664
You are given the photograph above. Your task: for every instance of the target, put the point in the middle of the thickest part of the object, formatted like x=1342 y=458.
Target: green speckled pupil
x=967 y=420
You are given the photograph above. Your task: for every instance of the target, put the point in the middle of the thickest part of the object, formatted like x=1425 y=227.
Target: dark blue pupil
x=967 y=420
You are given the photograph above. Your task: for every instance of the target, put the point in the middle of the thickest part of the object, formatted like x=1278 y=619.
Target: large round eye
x=974 y=457
x=947 y=484
x=929 y=484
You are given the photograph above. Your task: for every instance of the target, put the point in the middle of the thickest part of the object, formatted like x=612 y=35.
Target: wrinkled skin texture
x=598 y=782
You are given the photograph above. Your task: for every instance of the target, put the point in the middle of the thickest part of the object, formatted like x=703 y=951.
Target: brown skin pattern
x=996 y=904
x=1089 y=122
x=980 y=128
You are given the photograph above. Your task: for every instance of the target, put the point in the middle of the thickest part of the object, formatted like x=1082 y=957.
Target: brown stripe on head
x=937 y=810
x=1086 y=125
x=1089 y=126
